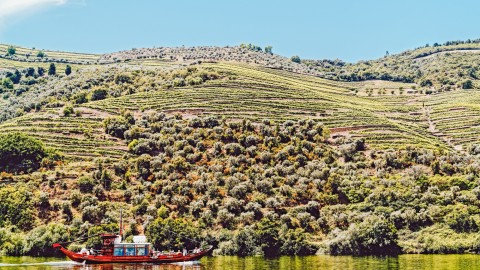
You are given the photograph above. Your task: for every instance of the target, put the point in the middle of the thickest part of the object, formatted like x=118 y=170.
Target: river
x=411 y=262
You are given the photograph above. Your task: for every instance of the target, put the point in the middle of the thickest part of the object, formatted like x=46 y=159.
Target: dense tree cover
x=263 y=188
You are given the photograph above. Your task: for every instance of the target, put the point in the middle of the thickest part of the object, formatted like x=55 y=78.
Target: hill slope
x=261 y=159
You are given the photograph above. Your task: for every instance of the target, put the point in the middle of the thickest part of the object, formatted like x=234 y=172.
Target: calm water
x=413 y=262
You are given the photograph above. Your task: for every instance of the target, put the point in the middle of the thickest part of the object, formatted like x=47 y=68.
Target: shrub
x=85 y=184
x=295 y=59
x=467 y=84
x=169 y=233
x=68 y=70
x=374 y=236
x=269 y=49
x=20 y=153
x=11 y=50
x=68 y=110
x=98 y=94
x=40 y=71
x=7 y=83
x=116 y=126
x=16 y=207
x=52 y=70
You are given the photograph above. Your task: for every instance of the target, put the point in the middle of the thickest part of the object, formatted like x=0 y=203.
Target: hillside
x=255 y=151
x=441 y=67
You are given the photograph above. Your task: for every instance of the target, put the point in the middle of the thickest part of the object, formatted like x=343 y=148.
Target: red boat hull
x=98 y=259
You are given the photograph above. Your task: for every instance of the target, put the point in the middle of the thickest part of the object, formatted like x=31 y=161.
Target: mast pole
x=121 y=223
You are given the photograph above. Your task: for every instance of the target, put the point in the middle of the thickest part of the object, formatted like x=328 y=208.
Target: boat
x=113 y=250
x=140 y=251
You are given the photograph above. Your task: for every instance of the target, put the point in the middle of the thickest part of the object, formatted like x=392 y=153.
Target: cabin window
x=141 y=251
x=130 y=251
x=118 y=251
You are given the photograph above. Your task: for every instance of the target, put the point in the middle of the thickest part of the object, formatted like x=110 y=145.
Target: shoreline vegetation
x=249 y=157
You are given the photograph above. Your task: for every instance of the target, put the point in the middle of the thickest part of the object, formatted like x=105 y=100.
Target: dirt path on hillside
x=445 y=52
x=433 y=129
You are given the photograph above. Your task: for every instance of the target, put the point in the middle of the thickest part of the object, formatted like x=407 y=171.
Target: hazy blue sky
x=350 y=30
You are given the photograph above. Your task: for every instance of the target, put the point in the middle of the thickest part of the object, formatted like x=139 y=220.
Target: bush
x=16 y=207
x=98 y=94
x=11 y=50
x=116 y=126
x=374 y=236
x=7 y=83
x=52 y=70
x=467 y=84
x=68 y=110
x=41 y=54
x=295 y=59
x=68 y=70
x=39 y=241
x=85 y=184
x=20 y=153
x=169 y=233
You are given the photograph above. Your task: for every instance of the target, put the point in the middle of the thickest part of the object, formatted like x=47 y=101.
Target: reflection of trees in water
x=178 y=266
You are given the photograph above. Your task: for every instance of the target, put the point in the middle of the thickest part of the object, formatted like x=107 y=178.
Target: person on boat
x=84 y=251
x=184 y=252
x=196 y=250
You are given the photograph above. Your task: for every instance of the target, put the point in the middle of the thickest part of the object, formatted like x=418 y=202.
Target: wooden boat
x=113 y=251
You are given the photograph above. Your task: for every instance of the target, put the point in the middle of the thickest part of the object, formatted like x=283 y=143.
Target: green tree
x=16 y=207
x=30 y=72
x=15 y=76
x=116 y=126
x=295 y=59
x=268 y=237
x=11 y=50
x=68 y=70
x=40 y=71
x=7 y=83
x=172 y=233
x=20 y=153
x=68 y=110
x=40 y=54
x=467 y=84
x=52 y=70
x=268 y=49
x=99 y=94
x=86 y=184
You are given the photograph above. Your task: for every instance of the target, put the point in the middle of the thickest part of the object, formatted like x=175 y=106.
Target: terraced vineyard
x=79 y=138
x=382 y=112
x=30 y=55
x=455 y=117
x=258 y=93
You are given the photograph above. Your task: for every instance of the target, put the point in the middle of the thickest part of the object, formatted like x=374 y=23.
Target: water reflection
x=408 y=262
x=176 y=266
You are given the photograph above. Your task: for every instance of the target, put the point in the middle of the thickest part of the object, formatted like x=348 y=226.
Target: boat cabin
x=131 y=249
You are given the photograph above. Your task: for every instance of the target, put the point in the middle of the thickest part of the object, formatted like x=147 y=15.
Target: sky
x=350 y=30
